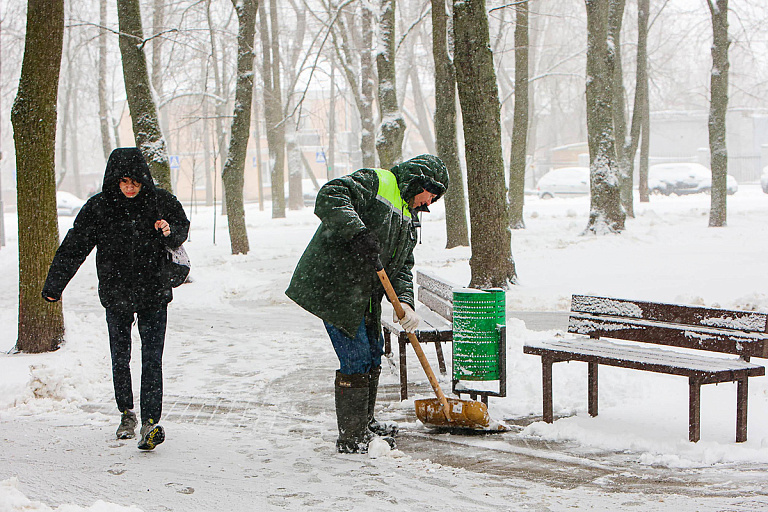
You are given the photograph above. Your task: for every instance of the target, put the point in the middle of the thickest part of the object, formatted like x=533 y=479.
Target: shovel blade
x=464 y=413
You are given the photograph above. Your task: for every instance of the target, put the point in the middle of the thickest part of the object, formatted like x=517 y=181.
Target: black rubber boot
x=352 y=412
x=387 y=429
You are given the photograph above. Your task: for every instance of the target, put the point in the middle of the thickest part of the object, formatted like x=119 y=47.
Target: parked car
x=684 y=178
x=565 y=181
x=764 y=180
x=68 y=204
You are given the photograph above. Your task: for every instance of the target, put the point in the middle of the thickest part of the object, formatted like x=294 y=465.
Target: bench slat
x=747 y=344
x=698 y=316
x=437 y=286
x=436 y=303
x=643 y=358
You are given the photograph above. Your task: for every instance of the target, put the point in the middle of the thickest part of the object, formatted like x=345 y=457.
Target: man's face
x=422 y=198
x=129 y=187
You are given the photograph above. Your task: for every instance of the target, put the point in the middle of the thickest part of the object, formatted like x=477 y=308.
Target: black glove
x=366 y=245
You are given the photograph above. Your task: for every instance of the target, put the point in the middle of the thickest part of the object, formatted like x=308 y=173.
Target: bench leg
x=403 y=369
x=440 y=359
x=546 y=381
x=387 y=342
x=694 y=410
x=741 y=410
x=592 y=389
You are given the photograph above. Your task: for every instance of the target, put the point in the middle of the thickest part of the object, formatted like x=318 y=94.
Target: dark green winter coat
x=330 y=280
x=129 y=250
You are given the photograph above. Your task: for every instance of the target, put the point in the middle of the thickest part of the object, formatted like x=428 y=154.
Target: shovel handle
x=414 y=341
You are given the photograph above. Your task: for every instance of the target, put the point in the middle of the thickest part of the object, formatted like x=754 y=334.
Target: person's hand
x=366 y=245
x=410 y=320
x=163 y=227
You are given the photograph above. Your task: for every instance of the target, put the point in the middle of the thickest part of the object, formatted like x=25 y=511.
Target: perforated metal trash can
x=477 y=314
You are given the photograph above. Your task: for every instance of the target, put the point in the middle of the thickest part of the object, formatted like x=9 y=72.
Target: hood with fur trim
x=423 y=172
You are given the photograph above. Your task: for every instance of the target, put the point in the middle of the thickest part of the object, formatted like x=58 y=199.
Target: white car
x=764 y=180
x=683 y=178
x=68 y=204
x=565 y=181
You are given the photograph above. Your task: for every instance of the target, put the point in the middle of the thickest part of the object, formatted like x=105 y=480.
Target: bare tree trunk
x=491 y=263
x=233 y=176
x=146 y=128
x=717 y=110
x=389 y=143
x=294 y=155
x=519 y=148
x=41 y=324
x=640 y=112
x=220 y=105
x=645 y=146
x=273 y=106
x=104 y=123
x=73 y=135
x=456 y=229
x=606 y=213
x=368 y=135
x=158 y=20
x=209 y=176
x=330 y=158
x=624 y=156
x=422 y=116
x=257 y=136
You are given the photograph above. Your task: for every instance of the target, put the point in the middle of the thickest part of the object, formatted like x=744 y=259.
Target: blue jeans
x=358 y=354
x=152 y=324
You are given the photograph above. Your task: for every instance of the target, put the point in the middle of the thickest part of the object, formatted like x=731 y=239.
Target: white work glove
x=410 y=320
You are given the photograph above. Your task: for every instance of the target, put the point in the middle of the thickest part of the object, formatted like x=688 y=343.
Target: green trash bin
x=477 y=314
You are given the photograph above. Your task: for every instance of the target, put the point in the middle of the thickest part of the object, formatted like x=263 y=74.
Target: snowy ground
x=248 y=382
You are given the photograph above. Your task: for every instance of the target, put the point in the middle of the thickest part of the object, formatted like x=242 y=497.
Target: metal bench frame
x=647 y=325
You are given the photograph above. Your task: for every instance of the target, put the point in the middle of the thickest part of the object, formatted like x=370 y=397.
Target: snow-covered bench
x=690 y=341
x=435 y=307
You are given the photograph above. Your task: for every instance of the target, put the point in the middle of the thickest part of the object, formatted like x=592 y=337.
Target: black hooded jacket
x=129 y=250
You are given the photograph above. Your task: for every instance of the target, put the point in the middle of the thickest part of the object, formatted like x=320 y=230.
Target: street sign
x=174 y=161
x=320 y=157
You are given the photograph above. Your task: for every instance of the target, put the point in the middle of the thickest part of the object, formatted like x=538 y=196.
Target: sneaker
x=152 y=435
x=127 y=428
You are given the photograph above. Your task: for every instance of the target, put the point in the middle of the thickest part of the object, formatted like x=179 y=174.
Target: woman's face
x=129 y=187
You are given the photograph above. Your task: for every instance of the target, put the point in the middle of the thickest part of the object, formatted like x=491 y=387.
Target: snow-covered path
x=249 y=405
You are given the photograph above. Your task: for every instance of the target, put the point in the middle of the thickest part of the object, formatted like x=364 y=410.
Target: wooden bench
x=435 y=308
x=649 y=326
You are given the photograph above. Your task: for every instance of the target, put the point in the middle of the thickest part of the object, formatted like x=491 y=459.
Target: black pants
x=152 y=324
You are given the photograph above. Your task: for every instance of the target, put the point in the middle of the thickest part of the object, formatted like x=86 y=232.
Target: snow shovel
x=440 y=411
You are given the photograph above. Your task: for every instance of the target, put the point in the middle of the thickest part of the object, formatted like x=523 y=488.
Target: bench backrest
x=436 y=294
x=719 y=330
